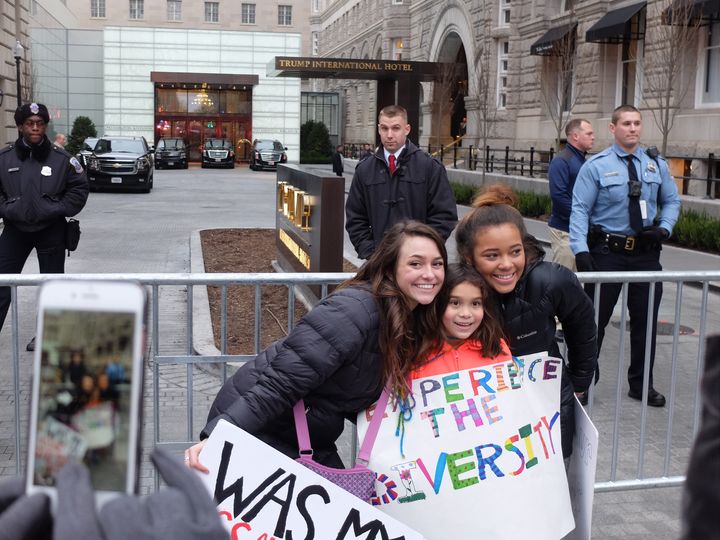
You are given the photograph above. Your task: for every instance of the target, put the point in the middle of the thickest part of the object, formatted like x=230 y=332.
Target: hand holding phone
x=87 y=385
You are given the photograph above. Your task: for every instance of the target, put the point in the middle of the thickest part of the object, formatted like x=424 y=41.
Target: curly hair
x=401 y=326
x=489 y=333
x=495 y=205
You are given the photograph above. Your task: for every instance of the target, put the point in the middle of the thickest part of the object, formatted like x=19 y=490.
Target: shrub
x=82 y=128
x=315 y=143
x=464 y=193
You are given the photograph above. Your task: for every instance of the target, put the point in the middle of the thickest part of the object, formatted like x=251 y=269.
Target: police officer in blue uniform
x=40 y=185
x=625 y=204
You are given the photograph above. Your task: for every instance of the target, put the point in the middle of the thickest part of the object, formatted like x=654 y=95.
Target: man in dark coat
x=399 y=181
x=338 y=167
x=40 y=185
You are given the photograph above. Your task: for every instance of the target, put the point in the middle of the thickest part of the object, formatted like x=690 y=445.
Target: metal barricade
x=640 y=447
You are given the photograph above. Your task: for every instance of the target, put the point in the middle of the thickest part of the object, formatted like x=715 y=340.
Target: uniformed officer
x=40 y=185
x=625 y=204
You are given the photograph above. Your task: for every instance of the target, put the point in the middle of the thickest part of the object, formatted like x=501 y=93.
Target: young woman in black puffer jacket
x=530 y=293
x=342 y=353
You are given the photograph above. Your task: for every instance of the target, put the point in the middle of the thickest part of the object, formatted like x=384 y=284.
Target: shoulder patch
x=76 y=164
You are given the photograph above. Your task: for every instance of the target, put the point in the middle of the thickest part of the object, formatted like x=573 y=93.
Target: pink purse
x=359 y=481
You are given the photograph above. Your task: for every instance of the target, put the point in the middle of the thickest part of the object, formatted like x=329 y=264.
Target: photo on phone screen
x=88 y=383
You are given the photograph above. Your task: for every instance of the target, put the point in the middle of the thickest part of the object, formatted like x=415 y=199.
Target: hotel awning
x=617 y=25
x=692 y=11
x=549 y=44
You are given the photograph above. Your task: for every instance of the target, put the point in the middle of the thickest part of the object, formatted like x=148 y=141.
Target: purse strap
x=303 y=433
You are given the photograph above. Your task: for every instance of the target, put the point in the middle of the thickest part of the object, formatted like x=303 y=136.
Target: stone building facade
x=528 y=66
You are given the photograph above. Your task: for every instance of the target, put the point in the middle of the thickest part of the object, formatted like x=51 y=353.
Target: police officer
x=625 y=204
x=40 y=185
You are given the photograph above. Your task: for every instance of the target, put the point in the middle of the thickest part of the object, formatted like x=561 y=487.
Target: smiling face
x=420 y=270
x=499 y=256
x=627 y=130
x=393 y=132
x=464 y=311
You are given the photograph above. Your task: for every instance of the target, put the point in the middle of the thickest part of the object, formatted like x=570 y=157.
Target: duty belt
x=617 y=243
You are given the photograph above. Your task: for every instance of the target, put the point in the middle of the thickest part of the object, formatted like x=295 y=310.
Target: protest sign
x=481 y=456
x=264 y=495
x=581 y=474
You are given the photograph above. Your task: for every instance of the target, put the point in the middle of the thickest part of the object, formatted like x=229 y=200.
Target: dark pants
x=15 y=247
x=637 y=305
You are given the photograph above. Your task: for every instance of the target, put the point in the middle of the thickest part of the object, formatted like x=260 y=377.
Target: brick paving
x=137 y=233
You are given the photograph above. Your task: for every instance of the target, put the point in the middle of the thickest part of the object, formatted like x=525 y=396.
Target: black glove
x=584 y=262
x=654 y=234
x=23 y=517
x=184 y=510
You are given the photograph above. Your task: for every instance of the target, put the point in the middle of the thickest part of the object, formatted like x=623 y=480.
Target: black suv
x=86 y=150
x=218 y=153
x=266 y=154
x=171 y=153
x=121 y=162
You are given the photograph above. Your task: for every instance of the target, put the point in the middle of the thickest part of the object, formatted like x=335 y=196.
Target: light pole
x=17 y=53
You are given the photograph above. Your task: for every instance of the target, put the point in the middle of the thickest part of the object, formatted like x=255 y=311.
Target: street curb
x=202 y=332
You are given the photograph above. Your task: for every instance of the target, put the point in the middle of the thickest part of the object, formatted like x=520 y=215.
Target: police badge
x=34 y=108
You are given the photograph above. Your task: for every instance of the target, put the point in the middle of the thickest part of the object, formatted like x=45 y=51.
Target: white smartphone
x=87 y=385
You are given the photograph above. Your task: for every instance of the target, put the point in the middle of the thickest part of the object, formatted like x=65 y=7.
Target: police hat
x=31 y=109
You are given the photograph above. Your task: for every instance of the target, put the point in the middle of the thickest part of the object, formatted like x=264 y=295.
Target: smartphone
x=87 y=385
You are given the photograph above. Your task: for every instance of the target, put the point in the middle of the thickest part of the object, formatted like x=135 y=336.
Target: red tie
x=391 y=159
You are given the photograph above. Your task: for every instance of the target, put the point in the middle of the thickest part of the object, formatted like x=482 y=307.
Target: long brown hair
x=401 y=327
x=495 y=205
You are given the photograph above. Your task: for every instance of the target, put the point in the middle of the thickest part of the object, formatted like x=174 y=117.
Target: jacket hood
x=410 y=148
x=39 y=151
x=534 y=252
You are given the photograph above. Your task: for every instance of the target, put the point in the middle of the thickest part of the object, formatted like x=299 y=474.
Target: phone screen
x=84 y=397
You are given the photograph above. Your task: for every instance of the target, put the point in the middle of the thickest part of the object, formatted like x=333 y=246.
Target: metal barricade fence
x=639 y=448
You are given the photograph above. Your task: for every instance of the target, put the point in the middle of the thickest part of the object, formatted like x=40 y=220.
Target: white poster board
x=263 y=494
x=581 y=475
x=482 y=454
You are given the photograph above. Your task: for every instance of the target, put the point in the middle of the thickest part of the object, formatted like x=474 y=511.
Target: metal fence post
x=532 y=157
x=507 y=157
x=454 y=156
x=522 y=165
x=487 y=158
x=708 y=189
x=470 y=158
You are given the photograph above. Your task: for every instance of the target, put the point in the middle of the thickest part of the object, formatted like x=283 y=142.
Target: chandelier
x=202 y=99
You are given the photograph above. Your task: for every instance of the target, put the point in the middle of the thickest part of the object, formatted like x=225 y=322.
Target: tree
x=82 y=128
x=665 y=82
x=564 y=78
x=486 y=97
x=315 y=145
x=445 y=85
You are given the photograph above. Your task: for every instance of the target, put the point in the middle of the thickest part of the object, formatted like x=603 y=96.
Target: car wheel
x=203 y=166
x=232 y=165
x=185 y=165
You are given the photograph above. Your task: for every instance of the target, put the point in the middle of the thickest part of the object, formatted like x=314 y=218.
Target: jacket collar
x=39 y=151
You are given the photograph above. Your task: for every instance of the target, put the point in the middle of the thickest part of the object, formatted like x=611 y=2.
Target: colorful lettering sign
x=480 y=456
x=263 y=494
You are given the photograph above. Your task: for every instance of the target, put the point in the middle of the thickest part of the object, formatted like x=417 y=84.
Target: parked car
x=171 y=152
x=86 y=150
x=121 y=162
x=218 y=153
x=266 y=154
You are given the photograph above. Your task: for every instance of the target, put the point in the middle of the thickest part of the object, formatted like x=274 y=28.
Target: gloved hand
x=584 y=262
x=23 y=517
x=654 y=234
x=183 y=510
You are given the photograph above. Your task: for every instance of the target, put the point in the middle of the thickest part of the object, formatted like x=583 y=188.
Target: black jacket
x=337 y=161
x=545 y=291
x=39 y=184
x=419 y=190
x=331 y=359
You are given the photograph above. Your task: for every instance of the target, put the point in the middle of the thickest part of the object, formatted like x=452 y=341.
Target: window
x=137 y=9
x=248 y=14
x=504 y=12
x=629 y=66
x=174 y=10
x=502 y=73
x=97 y=8
x=397 y=2
x=212 y=11
x=285 y=15
x=710 y=87
x=315 y=43
x=315 y=6
x=397 y=49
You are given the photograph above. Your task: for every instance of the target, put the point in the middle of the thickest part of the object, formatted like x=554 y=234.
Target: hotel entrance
x=218 y=106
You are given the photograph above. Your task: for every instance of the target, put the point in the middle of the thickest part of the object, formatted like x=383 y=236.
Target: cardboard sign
x=581 y=474
x=263 y=494
x=481 y=455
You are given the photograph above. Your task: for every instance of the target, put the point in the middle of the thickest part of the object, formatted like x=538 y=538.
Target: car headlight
x=231 y=153
x=283 y=158
x=93 y=163
x=142 y=164
x=183 y=154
